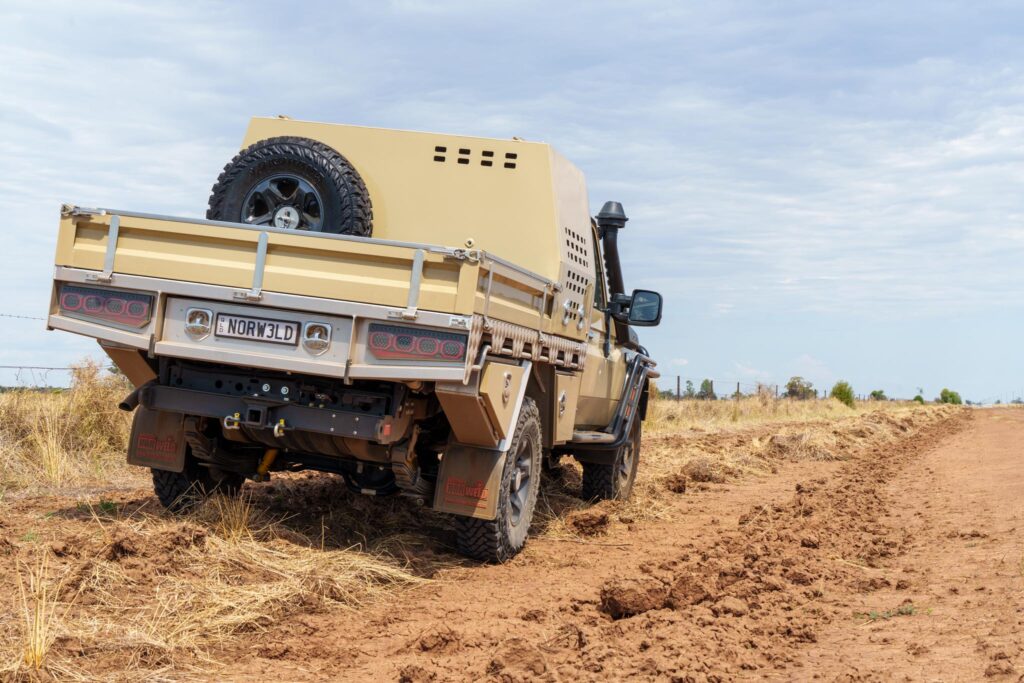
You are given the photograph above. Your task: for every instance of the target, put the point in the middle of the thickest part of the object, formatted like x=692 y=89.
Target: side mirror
x=643 y=308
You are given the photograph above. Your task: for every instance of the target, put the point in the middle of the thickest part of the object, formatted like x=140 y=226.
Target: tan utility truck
x=432 y=316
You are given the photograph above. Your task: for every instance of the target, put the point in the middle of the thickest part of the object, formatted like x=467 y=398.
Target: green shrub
x=842 y=392
x=799 y=388
x=878 y=395
x=707 y=390
x=950 y=397
x=919 y=399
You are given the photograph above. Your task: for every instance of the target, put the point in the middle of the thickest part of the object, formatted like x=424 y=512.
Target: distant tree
x=919 y=399
x=707 y=390
x=690 y=391
x=950 y=397
x=1017 y=401
x=999 y=401
x=799 y=388
x=842 y=392
x=878 y=395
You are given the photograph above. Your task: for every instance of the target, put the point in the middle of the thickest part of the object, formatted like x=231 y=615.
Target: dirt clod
x=703 y=469
x=61 y=549
x=416 y=674
x=731 y=606
x=621 y=598
x=676 y=483
x=592 y=522
x=1000 y=667
x=440 y=640
x=122 y=546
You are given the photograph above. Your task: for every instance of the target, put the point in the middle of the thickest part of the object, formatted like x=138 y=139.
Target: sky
x=824 y=189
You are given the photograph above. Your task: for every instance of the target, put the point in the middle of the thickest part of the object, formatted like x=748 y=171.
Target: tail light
x=129 y=310
x=394 y=342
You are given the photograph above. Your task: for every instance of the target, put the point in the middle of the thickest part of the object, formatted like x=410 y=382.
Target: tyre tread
x=485 y=540
x=356 y=208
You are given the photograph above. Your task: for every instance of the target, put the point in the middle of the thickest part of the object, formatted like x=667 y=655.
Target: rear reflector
x=394 y=342
x=129 y=310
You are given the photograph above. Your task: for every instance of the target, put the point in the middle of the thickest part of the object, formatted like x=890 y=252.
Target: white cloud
x=746 y=372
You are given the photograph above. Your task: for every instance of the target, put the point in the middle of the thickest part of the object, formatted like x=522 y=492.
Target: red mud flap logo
x=460 y=492
x=154 y=449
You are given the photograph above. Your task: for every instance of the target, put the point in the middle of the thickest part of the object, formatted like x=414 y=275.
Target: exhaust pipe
x=131 y=401
x=610 y=220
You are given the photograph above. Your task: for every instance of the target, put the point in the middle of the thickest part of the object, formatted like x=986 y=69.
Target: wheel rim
x=284 y=201
x=519 y=489
x=625 y=466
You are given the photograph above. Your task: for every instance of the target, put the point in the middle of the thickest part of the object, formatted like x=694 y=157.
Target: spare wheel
x=294 y=183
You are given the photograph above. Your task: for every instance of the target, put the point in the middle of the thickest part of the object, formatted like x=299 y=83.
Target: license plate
x=257 y=329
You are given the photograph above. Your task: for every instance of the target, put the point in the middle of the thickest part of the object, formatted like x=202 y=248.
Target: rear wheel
x=182 y=491
x=294 y=183
x=614 y=481
x=500 y=539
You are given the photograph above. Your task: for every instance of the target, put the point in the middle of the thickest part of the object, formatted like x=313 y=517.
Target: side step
x=592 y=437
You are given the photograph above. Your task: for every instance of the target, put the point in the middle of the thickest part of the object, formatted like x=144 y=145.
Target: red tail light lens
x=394 y=342
x=130 y=310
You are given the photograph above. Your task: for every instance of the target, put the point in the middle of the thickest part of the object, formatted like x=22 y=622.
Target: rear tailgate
x=246 y=258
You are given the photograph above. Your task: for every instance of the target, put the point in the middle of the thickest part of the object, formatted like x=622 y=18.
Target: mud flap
x=469 y=481
x=157 y=440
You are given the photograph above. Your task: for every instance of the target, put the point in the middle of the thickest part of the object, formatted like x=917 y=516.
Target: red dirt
x=904 y=562
x=897 y=563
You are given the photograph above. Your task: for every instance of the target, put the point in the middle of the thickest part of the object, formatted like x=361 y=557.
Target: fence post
x=679 y=394
x=737 y=391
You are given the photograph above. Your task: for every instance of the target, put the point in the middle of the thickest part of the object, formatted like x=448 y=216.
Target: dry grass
x=666 y=415
x=146 y=593
x=62 y=438
x=38 y=599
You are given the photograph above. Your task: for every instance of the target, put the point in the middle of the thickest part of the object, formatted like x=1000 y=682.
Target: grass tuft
x=37 y=602
x=65 y=437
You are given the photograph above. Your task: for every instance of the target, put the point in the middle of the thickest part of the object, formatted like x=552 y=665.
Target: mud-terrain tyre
x=613 y=481
x=292 y=182
x=183 y=491
x=499 y=540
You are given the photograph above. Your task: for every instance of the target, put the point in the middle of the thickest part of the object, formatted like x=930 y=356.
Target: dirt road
x=905 y=563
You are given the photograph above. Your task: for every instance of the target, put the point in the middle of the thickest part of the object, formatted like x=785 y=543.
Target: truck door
x=603 y=375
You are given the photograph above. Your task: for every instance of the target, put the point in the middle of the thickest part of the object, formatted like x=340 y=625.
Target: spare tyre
x=295 y=183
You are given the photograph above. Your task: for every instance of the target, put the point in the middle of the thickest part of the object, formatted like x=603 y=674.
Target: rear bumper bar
x=254 y=413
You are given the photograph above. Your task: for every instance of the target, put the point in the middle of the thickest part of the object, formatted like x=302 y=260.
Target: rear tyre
x=614 y=481
x=500 y=539
x=294 y=183
x=183 y=491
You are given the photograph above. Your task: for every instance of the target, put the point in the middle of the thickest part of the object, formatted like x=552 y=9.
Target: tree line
x=801 y=389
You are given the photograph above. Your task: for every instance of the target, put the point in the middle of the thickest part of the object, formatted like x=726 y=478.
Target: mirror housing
x=641 y=309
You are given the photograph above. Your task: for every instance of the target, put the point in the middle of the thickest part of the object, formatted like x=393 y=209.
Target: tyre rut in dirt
x=613 y=481
x=502 y=538
x=182 y=491
x=294 y=183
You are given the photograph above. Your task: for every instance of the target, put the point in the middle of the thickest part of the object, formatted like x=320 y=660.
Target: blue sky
x=818 y=188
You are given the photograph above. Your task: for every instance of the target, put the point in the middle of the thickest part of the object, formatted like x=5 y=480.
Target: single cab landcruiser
x=432 y=316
